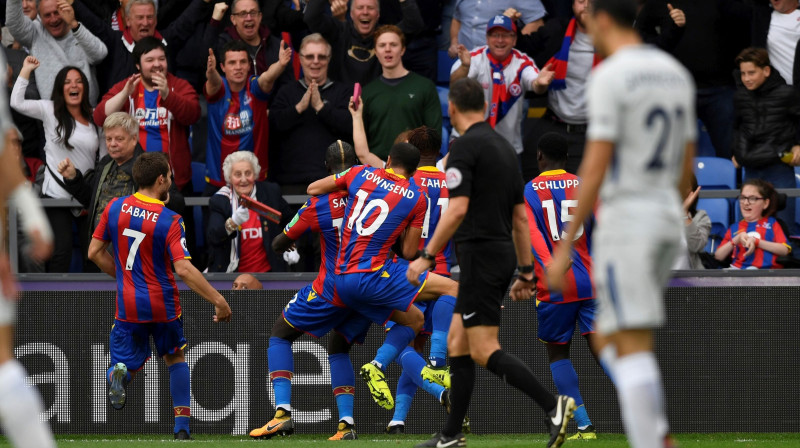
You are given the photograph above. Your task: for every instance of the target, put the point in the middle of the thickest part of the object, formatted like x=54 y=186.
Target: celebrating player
x=437 y=313
x=640 y=145
x=147 y=240
x=312 y=310
x=549 y=201
x=382 y=205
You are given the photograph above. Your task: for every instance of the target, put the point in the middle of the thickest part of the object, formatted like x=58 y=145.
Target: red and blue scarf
x=502 y=99
x=559 y=61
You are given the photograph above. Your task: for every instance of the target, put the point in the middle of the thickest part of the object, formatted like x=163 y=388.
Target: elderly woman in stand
x=240 y=238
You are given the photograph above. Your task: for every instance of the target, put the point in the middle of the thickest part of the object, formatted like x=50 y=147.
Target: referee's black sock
x=462 y=380
x=514 y=372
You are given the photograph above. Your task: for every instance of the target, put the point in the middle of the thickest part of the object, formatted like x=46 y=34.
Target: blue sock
x=180 y=389
x=566 y=380
x=281 y=369
x=343 y=380
x=396 y=339
x=442 y=316
x=128 y=376
x=412 y=364
x=402 y=403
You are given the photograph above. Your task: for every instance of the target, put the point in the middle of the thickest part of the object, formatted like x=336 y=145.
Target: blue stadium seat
x=715 y=172
x=719 y=210
x=445 y=142
x=198 y=177
x=443 y=92
x=443 y=69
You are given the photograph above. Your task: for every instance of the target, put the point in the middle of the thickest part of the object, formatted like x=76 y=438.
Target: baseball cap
x=503 y=22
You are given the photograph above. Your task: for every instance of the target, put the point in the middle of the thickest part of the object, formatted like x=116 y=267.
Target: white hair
x=141 y=2
x=236 y=157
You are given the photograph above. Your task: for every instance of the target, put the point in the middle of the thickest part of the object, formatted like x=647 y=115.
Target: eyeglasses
x=244 y=14
x=749 y=199
x=311 y=57
x=501 y=35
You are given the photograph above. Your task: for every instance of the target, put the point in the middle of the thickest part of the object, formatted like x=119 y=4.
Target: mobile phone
x=356 y=96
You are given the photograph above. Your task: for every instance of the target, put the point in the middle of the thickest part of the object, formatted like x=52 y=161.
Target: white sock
x=21 y=408
x=608 y=359
x=640 y=392
x=397 y=422
x=348 y=420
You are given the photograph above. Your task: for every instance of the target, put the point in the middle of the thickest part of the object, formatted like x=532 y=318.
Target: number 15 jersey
x=146 y=238
x=642 y=100
x=380 y=206
x=550 y=200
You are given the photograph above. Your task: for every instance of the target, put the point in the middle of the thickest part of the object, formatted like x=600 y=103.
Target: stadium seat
x=445 y=63
x=715 y=173
x=198 y=177
x=719 y=210
x=443 y=92
x=445 y=142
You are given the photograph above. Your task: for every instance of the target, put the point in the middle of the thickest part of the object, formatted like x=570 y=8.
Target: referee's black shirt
x=483 y=166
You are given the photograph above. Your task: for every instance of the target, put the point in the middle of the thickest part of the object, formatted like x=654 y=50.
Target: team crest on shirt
x=454 y=177
x=515 y=89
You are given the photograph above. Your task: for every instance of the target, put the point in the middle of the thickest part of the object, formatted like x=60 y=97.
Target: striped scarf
x=560 y=59
x=502 y=100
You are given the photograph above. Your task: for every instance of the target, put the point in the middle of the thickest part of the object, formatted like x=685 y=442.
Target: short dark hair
x=758 y=56
x=146 y=45
x=148 y=167
x=340 y=156
x=383 y=29
x=235 y=46
x=466 y=94
x=553 y=146
x=406 y=156
x=426 y=139
x=623 y=12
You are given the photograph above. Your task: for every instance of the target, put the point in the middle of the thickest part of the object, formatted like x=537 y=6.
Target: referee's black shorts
x=486 y=271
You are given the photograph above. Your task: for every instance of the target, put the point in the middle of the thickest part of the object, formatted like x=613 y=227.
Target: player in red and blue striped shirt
x=550 y=199
x=312 y=309
x=383 y=204
x=237 y=108
x=147 y=240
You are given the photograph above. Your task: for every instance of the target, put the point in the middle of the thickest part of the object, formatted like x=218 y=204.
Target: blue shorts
x=313 y=315
x=427 y=311
x=378 y=294
x=557 y=320
x=129 y=342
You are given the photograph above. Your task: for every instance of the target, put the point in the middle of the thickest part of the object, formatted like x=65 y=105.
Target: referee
x=487 y=215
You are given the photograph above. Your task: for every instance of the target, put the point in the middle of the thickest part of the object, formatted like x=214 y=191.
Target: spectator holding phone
x=307 y=116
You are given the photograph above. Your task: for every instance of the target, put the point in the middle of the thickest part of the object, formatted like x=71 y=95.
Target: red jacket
x=182 y=103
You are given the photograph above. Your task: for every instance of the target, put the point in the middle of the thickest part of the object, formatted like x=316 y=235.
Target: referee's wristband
x=525 y=269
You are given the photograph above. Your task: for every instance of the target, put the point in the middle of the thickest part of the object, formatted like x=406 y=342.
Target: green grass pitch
x=739 y=440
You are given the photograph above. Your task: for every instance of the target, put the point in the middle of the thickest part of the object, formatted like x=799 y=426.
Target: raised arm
x=31 y=108
x=267 y=79
x=116 y=101
x=360 y=137
x=322 y=186
x=319 y=22
x=94 y=48
x=412 y=22
x=20 y=26
x=213 y=79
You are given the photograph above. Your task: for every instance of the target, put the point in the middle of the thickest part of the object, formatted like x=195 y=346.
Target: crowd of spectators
x=204 y=79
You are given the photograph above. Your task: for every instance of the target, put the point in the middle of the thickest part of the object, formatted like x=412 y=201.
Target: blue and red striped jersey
x=380 y=206
x=432 y=182
x=323 y=214
x=765 y=229
x=146 y=237
x=550 y=200
x=153 y=118
x=236 y=122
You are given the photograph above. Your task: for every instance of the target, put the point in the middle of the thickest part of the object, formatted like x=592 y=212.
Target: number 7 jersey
x=146 y=238
x=380 y=206
x=550 y=200
x=643 y=101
